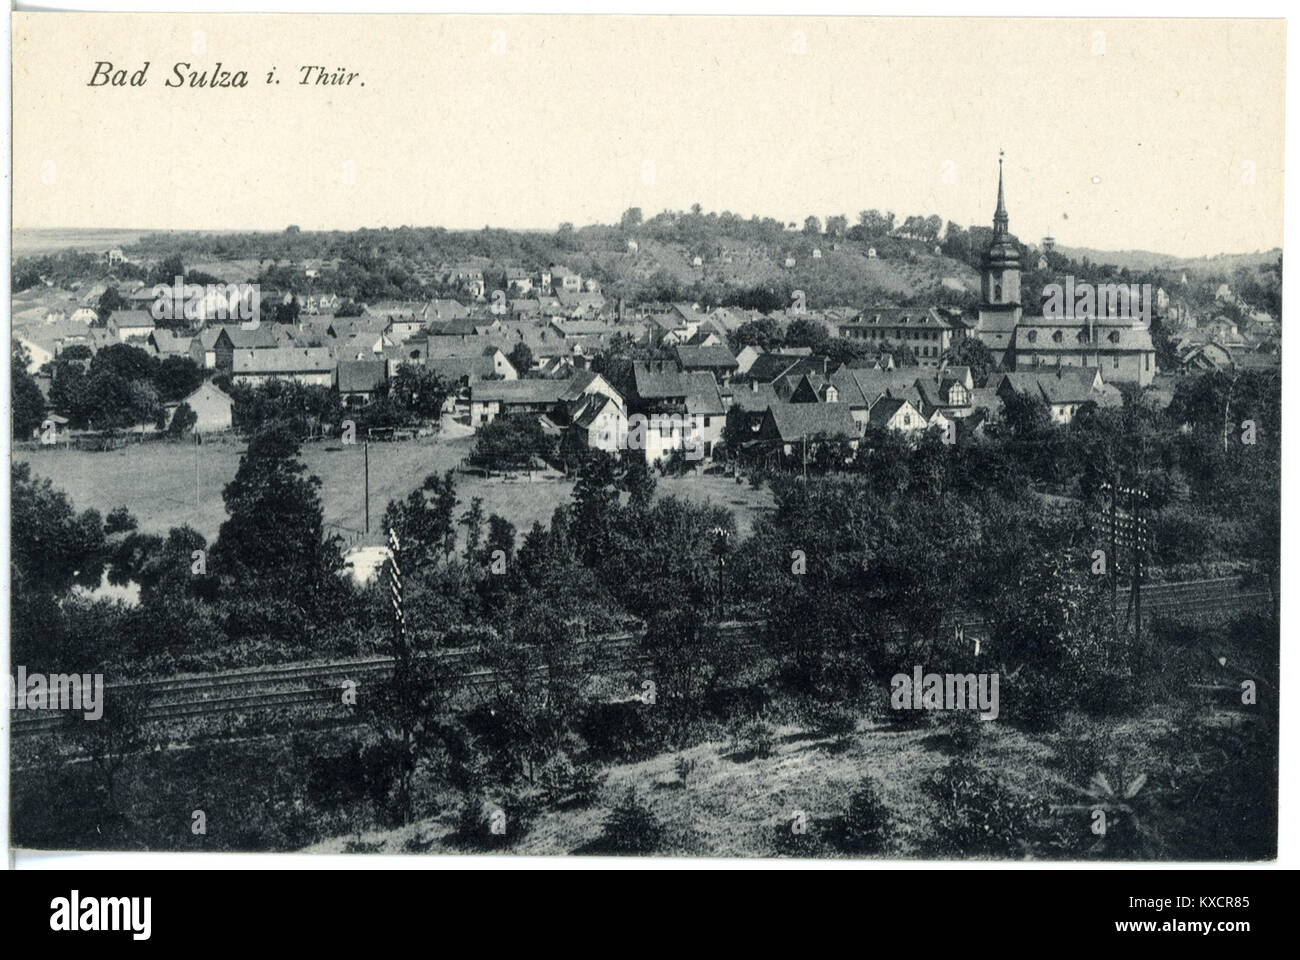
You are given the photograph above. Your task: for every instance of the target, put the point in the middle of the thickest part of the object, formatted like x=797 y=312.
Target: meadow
x=166 y=485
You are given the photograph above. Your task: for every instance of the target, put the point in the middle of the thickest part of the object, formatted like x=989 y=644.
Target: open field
x=157 y=483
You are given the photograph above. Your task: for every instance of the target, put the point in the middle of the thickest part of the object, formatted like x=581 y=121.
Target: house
x=494 y=398
x=313 y=366
x=928 y=332
x=1064 y=389
x=751 y=400
x=471 y=348
x=84 y=315
x=439 y=310
x=131 y=324
x=785 y=365
x=166 y=343
x=898 y=414
x=663 y=392
x=601 y=423
x=814 y=388
x=361 y=381
x=564 y=279
x=465 y=371
x=948 y=391
x=39 y=351
x=403 y=326
x=746 y=357
x=359 y=346
x=213 y=408
x=230 y=338
x=203 y=348
x=797 y=428
x=1196 y=357
x=468 y=278
x=712 y=358
x=516 y=280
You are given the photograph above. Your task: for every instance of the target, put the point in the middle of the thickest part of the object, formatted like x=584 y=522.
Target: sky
x=1130 y=134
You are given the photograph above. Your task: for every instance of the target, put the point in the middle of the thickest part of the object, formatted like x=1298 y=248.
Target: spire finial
x=1000 y=215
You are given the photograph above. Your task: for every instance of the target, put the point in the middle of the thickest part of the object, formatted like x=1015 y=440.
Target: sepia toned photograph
x=698 y=437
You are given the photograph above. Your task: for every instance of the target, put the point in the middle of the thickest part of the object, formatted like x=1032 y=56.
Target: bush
x=626 y=730
x=564 y=781
x=807 y=842
x=977 y=815
x=683 y=767
x=864 y=826
x=1085 y=750
x=487 y=823
x=632 y=828
x=965 y=730
x=838 y=720
x=752 y=738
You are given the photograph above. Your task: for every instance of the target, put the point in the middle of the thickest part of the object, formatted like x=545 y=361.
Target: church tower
x=1000 y=308
x=1001 y=268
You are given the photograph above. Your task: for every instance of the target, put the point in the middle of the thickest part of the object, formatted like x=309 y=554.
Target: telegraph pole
x=403 y=682
x=1139 y=497
x=366 y=448
x=395 y=590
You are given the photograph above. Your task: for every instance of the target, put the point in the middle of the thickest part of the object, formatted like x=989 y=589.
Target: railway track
x=251 y=689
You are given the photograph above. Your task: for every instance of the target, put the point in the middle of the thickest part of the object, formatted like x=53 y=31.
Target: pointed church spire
x=1000 y=215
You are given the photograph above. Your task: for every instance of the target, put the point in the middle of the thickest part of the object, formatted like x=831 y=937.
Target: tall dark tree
x=273 y=540
x=28 y=401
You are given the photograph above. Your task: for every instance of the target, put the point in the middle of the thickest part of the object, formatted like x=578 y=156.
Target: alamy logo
x=1105 y=301
x=658 y=431
x=57 y=691
x=215 y=301
x=71 y=914
x=945 y=691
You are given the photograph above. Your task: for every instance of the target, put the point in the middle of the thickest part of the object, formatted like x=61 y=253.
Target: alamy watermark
x=672 y=431
x=945 y=691
x=213 y=301
x=1081 y=300
x=57 y=691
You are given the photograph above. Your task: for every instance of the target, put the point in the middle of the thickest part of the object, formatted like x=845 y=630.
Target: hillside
x=1223 y=263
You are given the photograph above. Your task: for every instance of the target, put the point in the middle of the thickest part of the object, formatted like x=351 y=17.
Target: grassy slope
x=734 y=806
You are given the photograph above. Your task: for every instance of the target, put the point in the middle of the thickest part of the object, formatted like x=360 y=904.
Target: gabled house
x=898 y=414
x=361 y=381
x=465 y=371
x=795 y=429
x=714 y=359
x=1063 y=389
x=131 y=324
x=212 y=406
x=166 y=343
x=662 y=392
x=232 y=338
x=752 y=400
x=601 y=423
x=313 y=366
x=490 y=399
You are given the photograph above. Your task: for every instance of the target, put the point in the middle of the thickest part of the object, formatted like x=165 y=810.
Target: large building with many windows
x=926 y=330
